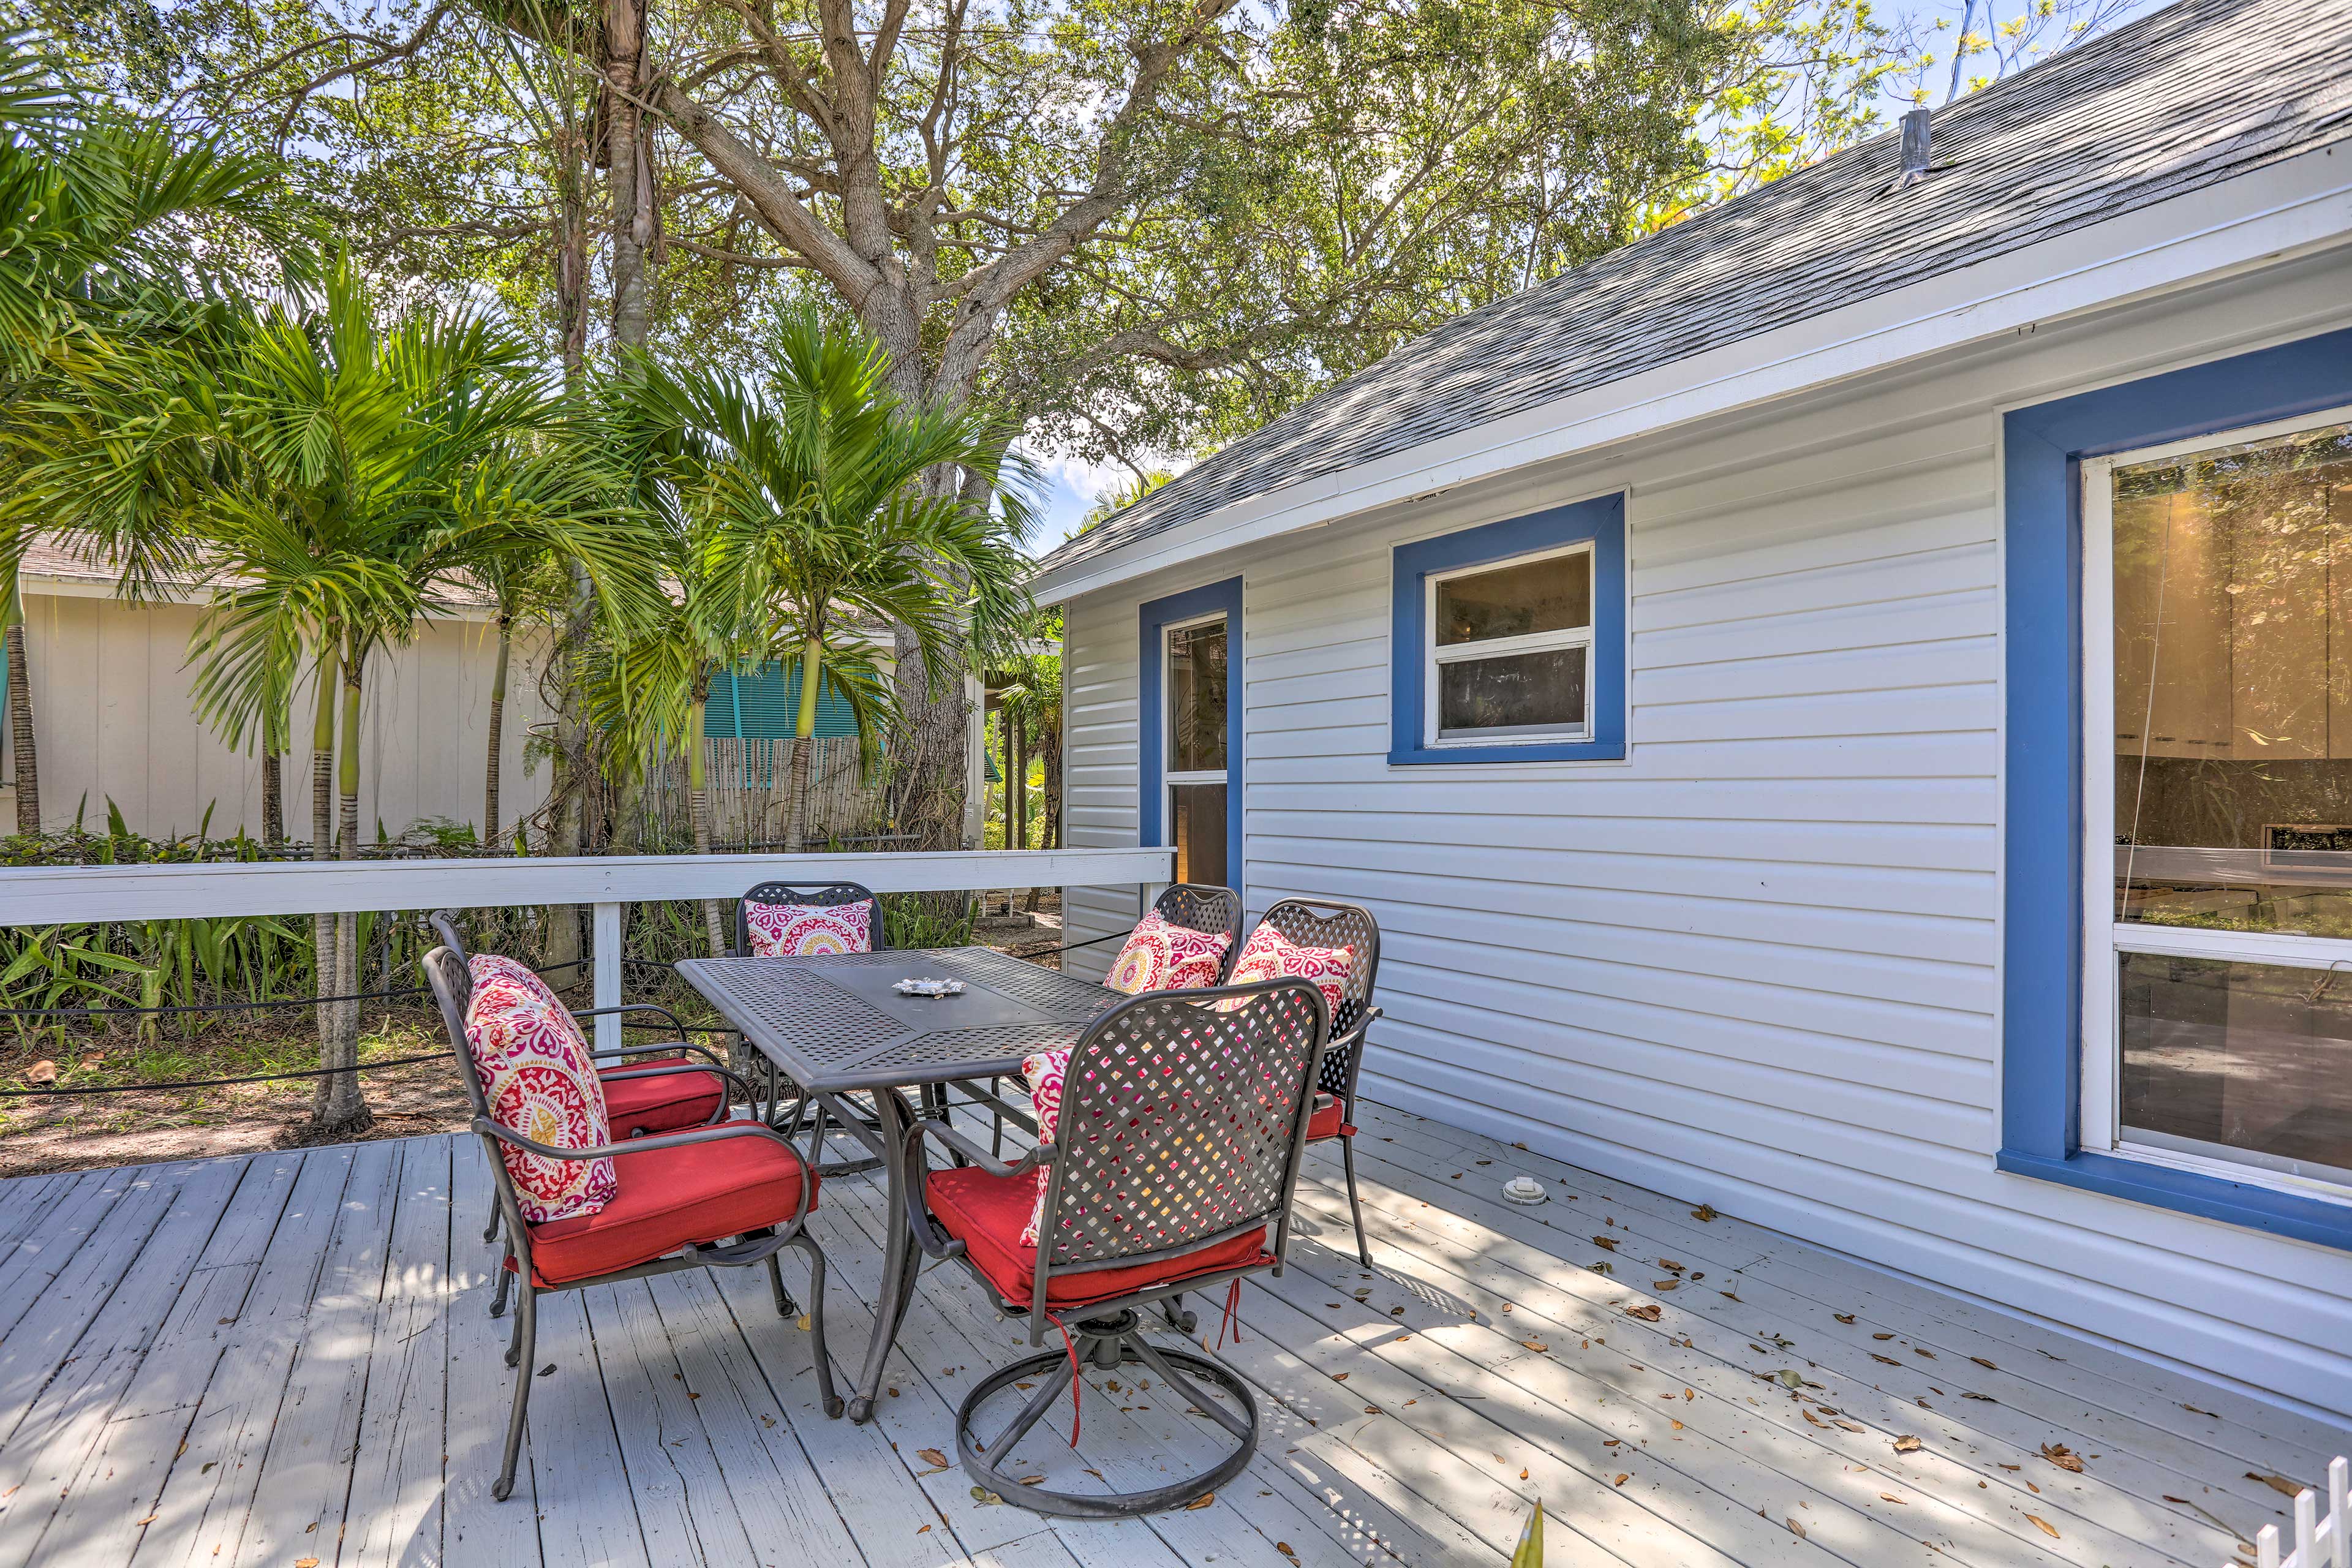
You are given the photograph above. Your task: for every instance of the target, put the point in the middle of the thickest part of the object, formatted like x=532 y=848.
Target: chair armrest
x=711 y=1133
x=632 y=1008
x=703 y=1051
x=674 y=1069
x=1039 y=1154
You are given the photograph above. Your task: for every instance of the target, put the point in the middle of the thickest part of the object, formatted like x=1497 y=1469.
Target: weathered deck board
x=290 y=1356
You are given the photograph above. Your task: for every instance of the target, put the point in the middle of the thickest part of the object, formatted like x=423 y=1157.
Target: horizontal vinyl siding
x=1757 y=963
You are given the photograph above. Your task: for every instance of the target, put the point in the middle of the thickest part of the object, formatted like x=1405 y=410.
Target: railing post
x=606 y=933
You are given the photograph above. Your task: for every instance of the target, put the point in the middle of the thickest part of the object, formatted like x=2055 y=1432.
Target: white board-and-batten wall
x=1759 y=963
x=115 y=714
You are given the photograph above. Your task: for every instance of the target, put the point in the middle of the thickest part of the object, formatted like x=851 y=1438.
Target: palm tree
x=807 y=496
x=98 y=209
x=339 y=476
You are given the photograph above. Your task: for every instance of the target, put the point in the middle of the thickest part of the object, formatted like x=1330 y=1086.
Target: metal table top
x=834 y=1025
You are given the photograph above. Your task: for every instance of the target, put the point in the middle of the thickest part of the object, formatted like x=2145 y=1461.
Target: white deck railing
x=69 y=895
x=2319 y=1542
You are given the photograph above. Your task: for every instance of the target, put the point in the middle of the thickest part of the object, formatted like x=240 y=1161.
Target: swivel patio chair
x=731 y=1195
x=1317 y=923
x=1174 y=1165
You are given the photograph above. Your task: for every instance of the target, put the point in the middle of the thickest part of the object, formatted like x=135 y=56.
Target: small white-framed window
x=1194 y=698
x=2217 y=791
x=1508 y=654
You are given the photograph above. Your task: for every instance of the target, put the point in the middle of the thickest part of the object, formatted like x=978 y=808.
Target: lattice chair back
x=1318 y=922
x=1198 y=906
x=444 y=926
x=813 y=895
x=1183 y=1122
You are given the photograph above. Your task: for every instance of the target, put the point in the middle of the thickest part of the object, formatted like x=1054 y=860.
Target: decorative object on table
x=927 y=986
x=1138 y=1208
x=1311 y=932
x=1525 y=1190
x=734 y=1193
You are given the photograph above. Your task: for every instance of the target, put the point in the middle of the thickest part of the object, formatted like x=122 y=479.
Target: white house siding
x=1759 y=963
x=116 y=719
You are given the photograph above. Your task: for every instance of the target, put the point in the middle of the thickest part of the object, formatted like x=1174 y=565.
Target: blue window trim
x=1155 y=617
x=2044 y=447
x=1602 y=521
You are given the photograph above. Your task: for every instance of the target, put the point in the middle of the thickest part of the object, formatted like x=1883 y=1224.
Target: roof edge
x=2299 y=204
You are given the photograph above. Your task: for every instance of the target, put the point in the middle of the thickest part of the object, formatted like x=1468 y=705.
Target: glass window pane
x=1198 y=824
x=1196 y=698
x=2233 y=583
x=1514 y=692
x=1553 y=595
x=2250 y=1060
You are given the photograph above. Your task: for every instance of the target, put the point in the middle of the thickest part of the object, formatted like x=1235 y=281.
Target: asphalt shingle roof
x=2176 y=101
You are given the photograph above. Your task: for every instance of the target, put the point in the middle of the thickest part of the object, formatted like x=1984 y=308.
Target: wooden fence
x=750 y=797
x=2319 y=1542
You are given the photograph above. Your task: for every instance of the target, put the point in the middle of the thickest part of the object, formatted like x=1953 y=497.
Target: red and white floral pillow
x=807 y=931
x=540 y=1082
x=1044 y=1070
x=1162 y=956
x=1270 y=955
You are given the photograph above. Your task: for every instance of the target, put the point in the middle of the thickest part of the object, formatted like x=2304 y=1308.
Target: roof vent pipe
x=1918 y=130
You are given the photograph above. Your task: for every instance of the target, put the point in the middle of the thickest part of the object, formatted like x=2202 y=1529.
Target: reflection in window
x=2232 y=586
x=2247 y=1061
x=1510 y=649
x=1196 y=698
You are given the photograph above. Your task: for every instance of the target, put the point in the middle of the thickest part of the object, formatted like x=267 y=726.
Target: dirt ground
x=40 y=1133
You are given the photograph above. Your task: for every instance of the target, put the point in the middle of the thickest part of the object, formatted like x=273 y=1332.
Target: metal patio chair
x=662 y=1093
x=1174 y=1168
x=813 y=895
x=731 y=1195
x=1318 y=922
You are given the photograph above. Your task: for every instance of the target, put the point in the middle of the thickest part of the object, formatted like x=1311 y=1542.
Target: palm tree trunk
x=1016 y=783
x=697 y=794
x=322 y=805
x=273 y=796
x=804 y=726
x=20 y=713
x=1049 y=746
x=497 y=727
x=347 y=1111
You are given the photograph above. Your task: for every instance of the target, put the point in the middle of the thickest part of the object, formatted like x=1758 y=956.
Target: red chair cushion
x=663 y=1104
x=1330 y=1115
x=671 y=1197
x=987 y=1213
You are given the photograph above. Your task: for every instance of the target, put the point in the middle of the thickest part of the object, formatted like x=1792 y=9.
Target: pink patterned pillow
x=540 y=1082
x=1270 y=955
x=1044 y=1070
x=1159 y=956
x=804 y=931
x=485 y=966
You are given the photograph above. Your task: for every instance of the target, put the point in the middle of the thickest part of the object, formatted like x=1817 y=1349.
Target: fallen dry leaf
x=1890 y=1497
x=932 y=1456
x=1523 y=1475
x=2063 y=1456
x=1843 y=1317
x=1793 y=1524
x=1647 y=1311
x=1881 y=1336
x=1984 y=1364
x=2047 y=1528
x=1703 y=1212
x=1606 y=1243
x=1623 y=1476
x=1535 y=1344
x=1203 y=1500
x=1888 y=1360
x=2278 y=1484
x=1339 y=1377
x=1666 y=1284
x=1851 y=1426
x=1907 y=1444
x=42 y=1071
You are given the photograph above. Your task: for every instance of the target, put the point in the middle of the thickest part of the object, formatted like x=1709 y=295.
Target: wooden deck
x=286 y=1360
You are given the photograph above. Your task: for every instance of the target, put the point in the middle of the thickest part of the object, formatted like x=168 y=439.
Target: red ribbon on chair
x=1232 y=1319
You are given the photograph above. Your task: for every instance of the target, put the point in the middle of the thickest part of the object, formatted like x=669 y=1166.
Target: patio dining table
x=836 y=1025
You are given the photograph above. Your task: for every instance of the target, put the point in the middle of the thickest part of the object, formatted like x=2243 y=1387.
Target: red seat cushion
x=1330 y=1115
x=988 y=1213
x=670 y=1197
x=663 y=1104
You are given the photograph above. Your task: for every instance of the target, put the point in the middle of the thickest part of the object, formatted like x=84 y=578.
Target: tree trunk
x=1016 y=782
x=1049 y=747
x=498 y=728
x=697 y=795
x=273 y=796
x=344 y=1112
x=572 y=773
x=20 y=713
x=322 y=806
x=804 y=728
x=630 y=181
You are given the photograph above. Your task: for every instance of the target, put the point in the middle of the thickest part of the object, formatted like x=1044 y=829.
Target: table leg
x=901 y=1260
